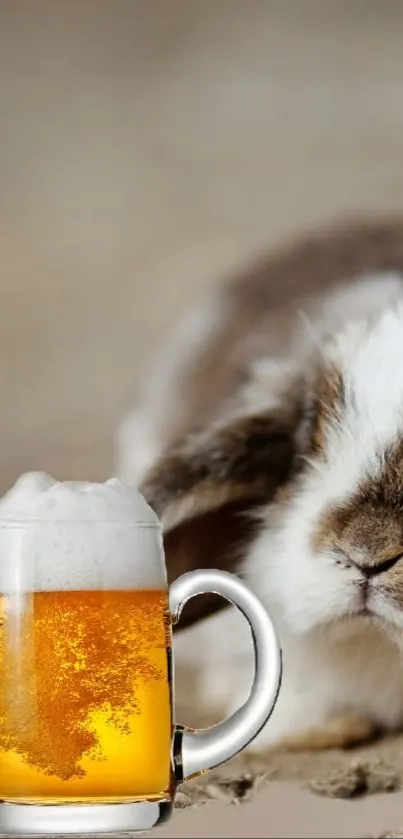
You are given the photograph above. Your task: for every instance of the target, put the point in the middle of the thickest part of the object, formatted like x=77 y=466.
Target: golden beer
x=87 y=741
x=85 y=696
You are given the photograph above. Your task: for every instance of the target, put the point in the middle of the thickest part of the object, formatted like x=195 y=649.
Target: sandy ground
x=349 y=774
x=345 y=775
x=146 y=150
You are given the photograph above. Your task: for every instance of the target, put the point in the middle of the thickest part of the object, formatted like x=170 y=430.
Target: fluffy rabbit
x=269 y=439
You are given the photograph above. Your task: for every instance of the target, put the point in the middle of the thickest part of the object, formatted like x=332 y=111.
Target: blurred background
x=147 y=148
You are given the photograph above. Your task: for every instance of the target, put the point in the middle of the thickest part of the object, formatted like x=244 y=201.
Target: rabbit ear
x=204 y=489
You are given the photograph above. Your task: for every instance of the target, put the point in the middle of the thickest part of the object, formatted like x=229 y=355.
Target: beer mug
x=87 y=738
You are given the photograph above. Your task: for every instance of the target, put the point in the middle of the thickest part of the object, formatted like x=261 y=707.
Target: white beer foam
x=66 y=536
x=37 y=496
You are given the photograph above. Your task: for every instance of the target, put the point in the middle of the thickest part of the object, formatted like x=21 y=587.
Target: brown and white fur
x=269 y=439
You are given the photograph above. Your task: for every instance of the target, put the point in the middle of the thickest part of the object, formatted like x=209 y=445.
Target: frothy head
x=64 y=536
x=37 y=496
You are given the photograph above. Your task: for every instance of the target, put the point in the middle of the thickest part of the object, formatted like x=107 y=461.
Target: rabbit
x=268 y=438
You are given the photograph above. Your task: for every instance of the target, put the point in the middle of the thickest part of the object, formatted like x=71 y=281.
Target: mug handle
x=196 y=751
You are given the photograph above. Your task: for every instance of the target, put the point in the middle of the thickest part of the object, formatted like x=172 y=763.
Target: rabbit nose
x=379 y=567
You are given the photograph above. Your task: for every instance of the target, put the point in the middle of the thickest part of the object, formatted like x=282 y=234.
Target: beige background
x=285 y=811
x=147 y=146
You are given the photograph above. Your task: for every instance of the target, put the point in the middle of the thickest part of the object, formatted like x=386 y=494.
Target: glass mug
x=87 y=738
